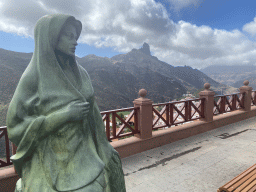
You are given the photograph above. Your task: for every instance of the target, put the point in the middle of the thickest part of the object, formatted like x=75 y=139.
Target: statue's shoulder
x=82 y=70
x=80 y=67
x=29 y=77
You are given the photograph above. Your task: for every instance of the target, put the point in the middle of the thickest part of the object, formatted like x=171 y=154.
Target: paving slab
x=200 y=163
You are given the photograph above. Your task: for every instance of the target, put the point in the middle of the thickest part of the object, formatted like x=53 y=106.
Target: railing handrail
x=118 y=110
x=228 y=94
x=3 y=127
x=175 y=102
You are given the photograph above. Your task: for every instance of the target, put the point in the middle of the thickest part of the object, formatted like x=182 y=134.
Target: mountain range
x=232 y=75
x=117 y=80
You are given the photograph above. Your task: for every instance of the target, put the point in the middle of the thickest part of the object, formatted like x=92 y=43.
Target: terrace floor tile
x=200 y=163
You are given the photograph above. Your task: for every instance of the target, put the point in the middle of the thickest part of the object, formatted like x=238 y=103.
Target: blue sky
x=197 y=33
x=220 y=14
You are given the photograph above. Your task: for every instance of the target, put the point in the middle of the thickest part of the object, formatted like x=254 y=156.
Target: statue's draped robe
x=78 y=153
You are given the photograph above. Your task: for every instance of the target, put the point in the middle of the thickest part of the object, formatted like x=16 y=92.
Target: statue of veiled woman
x=55 y=122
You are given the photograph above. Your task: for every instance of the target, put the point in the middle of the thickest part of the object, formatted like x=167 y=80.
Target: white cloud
x=19 y=16
x=127 y=24
x=179 y=4
x=250 y=27
x=198 y=46
x=179 y=59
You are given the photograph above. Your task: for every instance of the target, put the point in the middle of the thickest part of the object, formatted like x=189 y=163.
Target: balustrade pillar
x=145 y=115
x=247 y=98
x=208 y=102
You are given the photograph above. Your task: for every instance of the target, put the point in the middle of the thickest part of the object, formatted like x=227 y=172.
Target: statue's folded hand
x=77 y=110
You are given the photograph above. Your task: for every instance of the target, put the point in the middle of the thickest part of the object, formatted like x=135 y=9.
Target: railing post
x=248 y=94
x=234 y=102
x=167 y=112
x=107 y=126
x=209 y=102
x=189 y=111
x=145 y=115
x=254 y=97
x=14 y=149
x=7 y=149
x=114 y=124
x=223 y=104
x=186 y=103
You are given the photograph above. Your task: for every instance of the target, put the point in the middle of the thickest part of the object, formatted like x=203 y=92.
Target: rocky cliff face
x=191 y=79
x=127 y=74
x=145 y=49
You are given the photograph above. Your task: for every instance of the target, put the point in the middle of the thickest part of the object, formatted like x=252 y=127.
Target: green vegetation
x=181 y=98
x=121 y=115
x=196 y=93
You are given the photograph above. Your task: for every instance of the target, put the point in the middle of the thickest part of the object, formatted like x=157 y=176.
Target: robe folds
x=75 y=156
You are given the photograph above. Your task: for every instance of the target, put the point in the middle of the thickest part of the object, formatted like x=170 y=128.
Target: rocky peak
x=145 y=49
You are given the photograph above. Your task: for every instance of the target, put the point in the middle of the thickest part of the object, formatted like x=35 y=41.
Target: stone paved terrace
x=201 y=163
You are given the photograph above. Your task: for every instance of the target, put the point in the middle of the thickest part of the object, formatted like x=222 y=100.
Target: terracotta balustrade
x=227 y=103
x=125 y=123
x=146 y=117
x=197 y=116
x=185 y=109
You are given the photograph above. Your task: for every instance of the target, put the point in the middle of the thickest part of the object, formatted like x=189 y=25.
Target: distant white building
x=110 y=123
x=188 y=95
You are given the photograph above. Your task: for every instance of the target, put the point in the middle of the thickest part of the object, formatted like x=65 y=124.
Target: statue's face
x=67 y=41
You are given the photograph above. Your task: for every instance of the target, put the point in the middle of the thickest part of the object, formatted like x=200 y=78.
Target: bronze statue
x=55 y=122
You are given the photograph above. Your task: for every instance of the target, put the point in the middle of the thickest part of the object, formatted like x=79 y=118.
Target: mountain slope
x=191 y=79
x=125 y=81
x=232 y=75
x=116 y=81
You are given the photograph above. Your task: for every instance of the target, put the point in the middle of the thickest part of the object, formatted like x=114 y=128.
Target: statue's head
x=67 y=40
x=57 y=32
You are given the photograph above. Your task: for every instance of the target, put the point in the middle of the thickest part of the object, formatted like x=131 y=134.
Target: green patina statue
x=55 y=122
